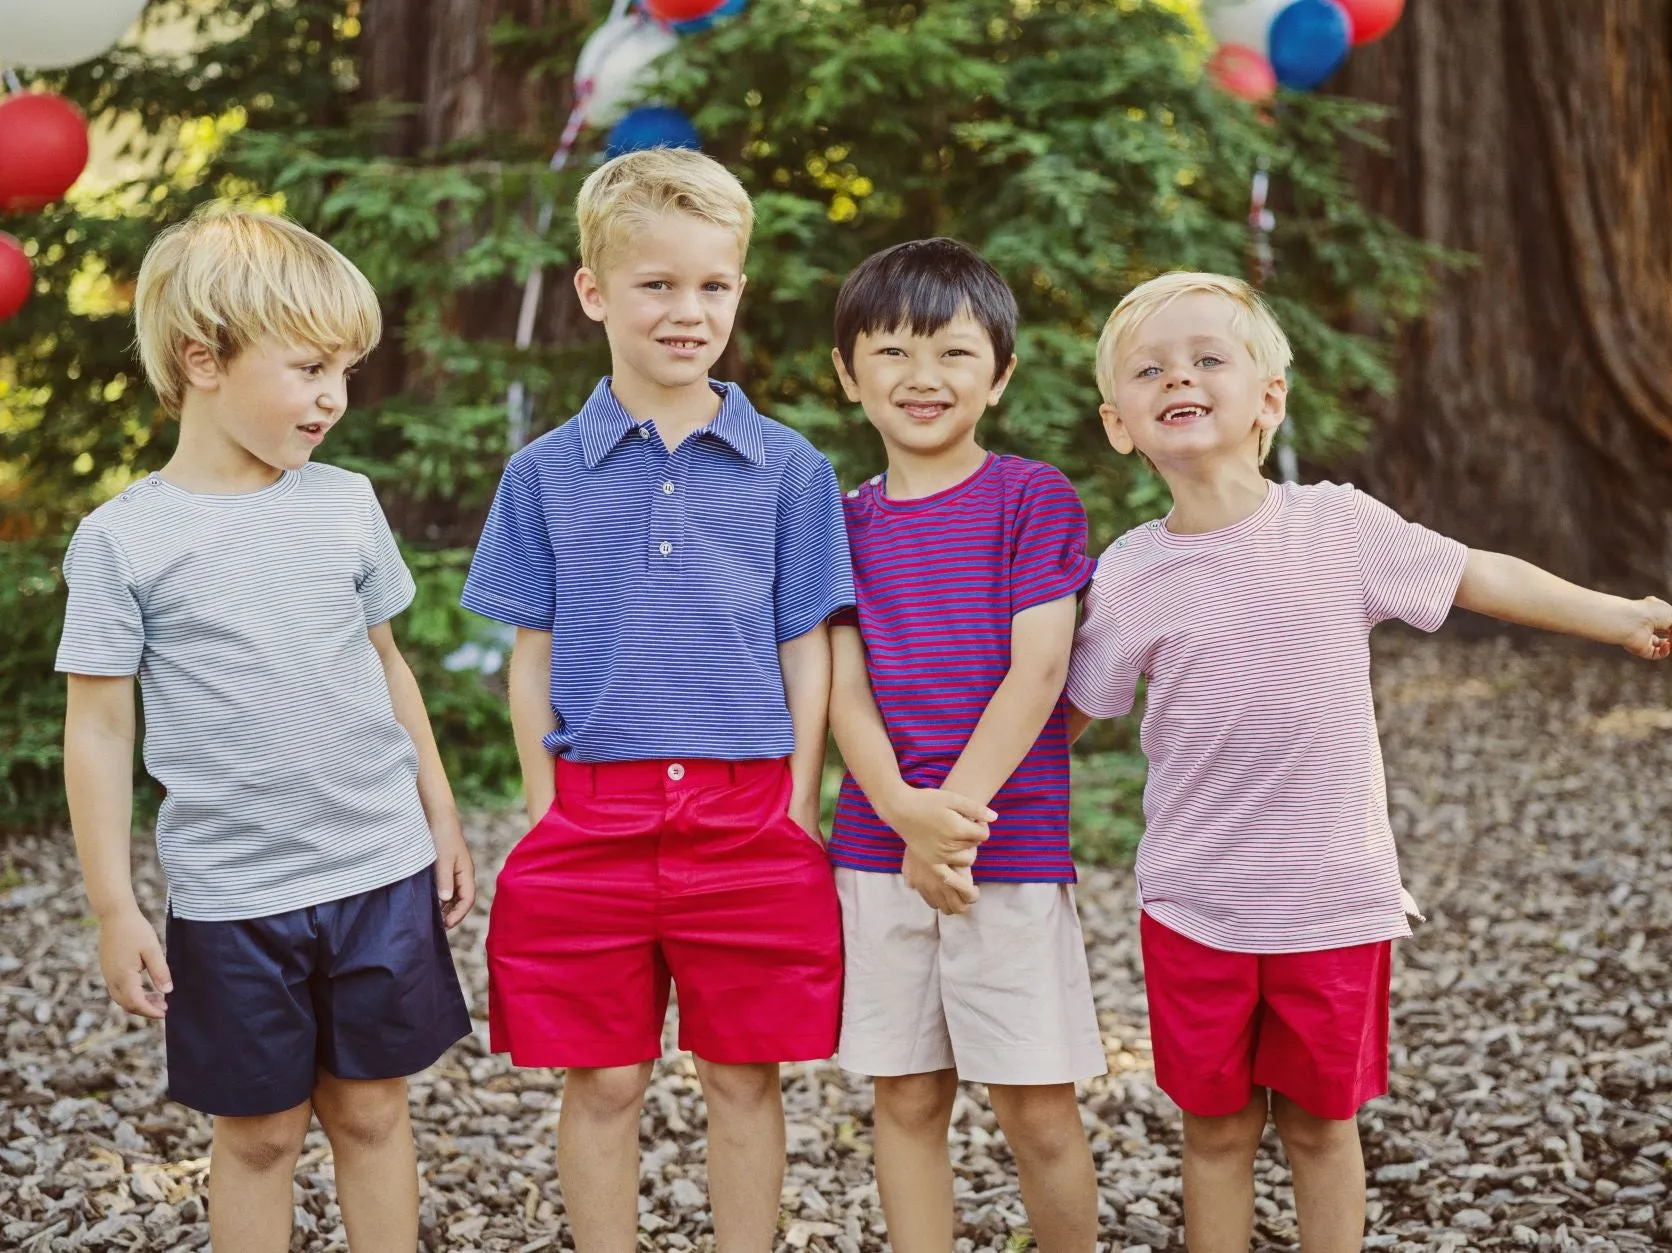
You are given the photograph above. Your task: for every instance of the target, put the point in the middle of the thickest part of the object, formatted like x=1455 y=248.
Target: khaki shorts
x=1000 y=993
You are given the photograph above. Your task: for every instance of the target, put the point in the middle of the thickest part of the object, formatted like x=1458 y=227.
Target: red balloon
x=16 y=278
x=1371 y=19
x=1242 y=72
x=669 y=11
x=43 y=149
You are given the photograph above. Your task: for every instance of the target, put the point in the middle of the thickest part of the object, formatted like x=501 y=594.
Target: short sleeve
x=815 y=574
x=104 y=628
x=1409 y=572
x=1048 y=542
x=513 y=574
x=385 y=584
x=1102 y=677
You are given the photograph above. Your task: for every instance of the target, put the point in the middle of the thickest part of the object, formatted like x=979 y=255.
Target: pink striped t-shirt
x=1266 y=817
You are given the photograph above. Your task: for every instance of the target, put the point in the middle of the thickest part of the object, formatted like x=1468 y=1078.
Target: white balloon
x=52 y=34
x=1245 y=22
x=615 y=63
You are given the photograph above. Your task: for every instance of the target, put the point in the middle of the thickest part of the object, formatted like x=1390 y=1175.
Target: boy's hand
x=455 y=873
x=940 y=827
x=128 y=951
x=949 y=889
x=805 y=814
x=1648 y=629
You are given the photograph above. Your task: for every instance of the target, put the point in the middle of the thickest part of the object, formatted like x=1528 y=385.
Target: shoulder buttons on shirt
x=877 y=478
x=854 y=495
x=644 y=432
x=1155 y=524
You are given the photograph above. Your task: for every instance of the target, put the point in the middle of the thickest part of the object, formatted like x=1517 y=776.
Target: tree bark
x=1534 y=410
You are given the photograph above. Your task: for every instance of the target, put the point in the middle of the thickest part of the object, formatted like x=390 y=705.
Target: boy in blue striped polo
x=308 y=835
x=669 y=558
x=961 y=964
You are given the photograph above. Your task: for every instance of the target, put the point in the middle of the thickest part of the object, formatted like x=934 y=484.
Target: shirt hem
x=323 y=895
x=1367 y=931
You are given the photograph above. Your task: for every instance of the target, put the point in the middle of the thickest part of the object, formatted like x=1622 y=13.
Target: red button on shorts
x=646 y=873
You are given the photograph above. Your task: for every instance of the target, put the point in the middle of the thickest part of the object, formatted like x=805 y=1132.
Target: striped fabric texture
x=939 y=580
x=267 y=714
x=667 y=580
x=1266 y=814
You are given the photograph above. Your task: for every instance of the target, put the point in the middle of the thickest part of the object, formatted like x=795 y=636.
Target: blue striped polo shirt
x=940 y=578
x=667 y=580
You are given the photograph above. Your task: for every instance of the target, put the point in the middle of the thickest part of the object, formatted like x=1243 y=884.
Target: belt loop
x=592 y=779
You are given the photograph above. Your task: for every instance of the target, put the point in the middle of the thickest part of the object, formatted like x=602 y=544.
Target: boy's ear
x=591 y=294
x=1274 y=405
x=1003 y=381
x=850 y=385
x=1119 y=438
x=203 y=369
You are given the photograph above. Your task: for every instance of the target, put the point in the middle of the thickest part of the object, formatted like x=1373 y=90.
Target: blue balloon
x=652 y=126
x=731 y=8
x=1309 y=41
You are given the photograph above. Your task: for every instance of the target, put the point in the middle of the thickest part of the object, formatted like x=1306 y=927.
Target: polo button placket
x=667 y=513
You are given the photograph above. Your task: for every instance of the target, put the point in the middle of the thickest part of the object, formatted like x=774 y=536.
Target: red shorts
x=1312 y=1026
x=648 y=872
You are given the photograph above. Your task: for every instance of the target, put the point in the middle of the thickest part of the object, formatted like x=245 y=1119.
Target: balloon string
x=1262 y=263
x=518 y=410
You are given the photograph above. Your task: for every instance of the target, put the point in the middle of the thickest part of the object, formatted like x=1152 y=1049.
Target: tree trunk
x=1534 y=412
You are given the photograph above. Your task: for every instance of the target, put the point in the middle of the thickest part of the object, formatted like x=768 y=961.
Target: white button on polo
x=676 y=772
x=665 y=549
x=644 y=432
x=667 y=488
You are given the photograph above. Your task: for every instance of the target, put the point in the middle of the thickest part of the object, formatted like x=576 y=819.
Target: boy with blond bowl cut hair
x=1267 y=873
x=947 y=704
x=308 y=834
x=669 y=558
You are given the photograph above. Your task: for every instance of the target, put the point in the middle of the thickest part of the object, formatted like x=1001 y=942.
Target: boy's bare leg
x=369 y=1124
x=914 y=1166
x=1053 y=1158
x=1328 y=1166
x=252 y=1173
x=598 y=1155
x=745 y=1153
x=1219 y=1177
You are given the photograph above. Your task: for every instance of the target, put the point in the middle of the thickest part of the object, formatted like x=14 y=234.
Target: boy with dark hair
x=947 y=705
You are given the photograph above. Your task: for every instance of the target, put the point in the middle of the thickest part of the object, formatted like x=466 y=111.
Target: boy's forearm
x=1041 y=639
x=98 y=783
x=1009 y=727
x=860 y=732
x=805 y=662
x=1513 y=590
x=530 y=680
x=434 y=791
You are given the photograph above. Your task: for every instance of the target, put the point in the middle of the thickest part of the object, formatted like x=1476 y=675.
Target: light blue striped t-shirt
x=667 y=580
x=267 y=713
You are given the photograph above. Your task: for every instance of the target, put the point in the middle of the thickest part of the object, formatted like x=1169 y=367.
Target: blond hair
x=631 y=192
x=225 y=278
x=1252 y=321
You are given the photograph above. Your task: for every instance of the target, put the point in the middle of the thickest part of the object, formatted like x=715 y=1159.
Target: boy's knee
x=1039 y=1120
x=1307 y=1134
x=364 y=1114
x=917 y=1102
x=1229 y=1135
x=606 y=1094
x=263 y=1143
x=738 y=1086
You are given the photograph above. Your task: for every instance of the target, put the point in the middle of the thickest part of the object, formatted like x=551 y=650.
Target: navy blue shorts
x=363 y=987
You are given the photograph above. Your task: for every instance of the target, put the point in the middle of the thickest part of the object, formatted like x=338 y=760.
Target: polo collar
x=603 y=424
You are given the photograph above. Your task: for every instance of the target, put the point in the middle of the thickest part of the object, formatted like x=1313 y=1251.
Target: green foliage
x=1073 y=142
x=31 y=696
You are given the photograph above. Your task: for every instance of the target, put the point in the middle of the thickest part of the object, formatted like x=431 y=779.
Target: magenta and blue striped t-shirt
x=938 y=580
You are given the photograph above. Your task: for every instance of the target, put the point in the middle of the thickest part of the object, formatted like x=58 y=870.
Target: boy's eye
x=312 y=369
x=957 y=352
x=716 y=286
x=656 y=284
x=1148 y=371
x=1210 y=359
x=891 y=351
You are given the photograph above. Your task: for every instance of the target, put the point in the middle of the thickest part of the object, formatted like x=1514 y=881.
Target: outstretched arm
x=1513 y=590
